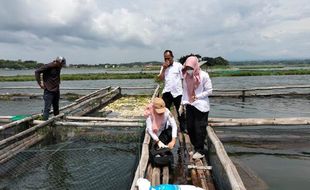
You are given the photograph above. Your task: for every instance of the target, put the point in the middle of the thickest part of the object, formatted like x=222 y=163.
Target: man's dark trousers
x=50 y=98
x=168 y=99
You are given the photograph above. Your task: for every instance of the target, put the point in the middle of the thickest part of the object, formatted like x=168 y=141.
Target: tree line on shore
x=217 y=61
x=30 y=64
x=19 y=64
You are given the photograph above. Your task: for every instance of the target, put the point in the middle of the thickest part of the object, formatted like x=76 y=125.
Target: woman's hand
x=161 y=145
x=172 y=143
x=181 y=109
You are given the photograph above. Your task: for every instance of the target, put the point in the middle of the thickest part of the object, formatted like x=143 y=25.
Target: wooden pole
x=223 y=90
x=12 y=124
x=32 y=129
x=95 y=93
x=221 y=122
x=20 y=148
x=230 y=169
x=79 y=105
x=99 y=124
x=32 y=87
x=156 y=92
x=75 y=118
x=8 y=148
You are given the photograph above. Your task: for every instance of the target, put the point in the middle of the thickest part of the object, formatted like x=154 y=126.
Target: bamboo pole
x=220 y=122
x=32 y=87
x=79 y=105
x=156 y=92
x=262 y=138
x=75 y=118
x=136 y=88
x=223 y=90
x=230 y=169
x=262 y=88
x=12 y=124
x=95 y=93
x=20 y=144
x=34 y=128
x=8 y=148
x=21 y=147
x=99 y=124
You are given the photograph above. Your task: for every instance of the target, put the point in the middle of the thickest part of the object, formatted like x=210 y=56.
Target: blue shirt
x=165 y=187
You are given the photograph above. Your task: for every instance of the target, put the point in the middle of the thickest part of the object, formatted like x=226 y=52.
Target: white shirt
x=168 y=120
x=202 y=92
x=173 y=79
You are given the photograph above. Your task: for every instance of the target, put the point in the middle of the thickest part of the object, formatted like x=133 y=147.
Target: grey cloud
x=216 y=27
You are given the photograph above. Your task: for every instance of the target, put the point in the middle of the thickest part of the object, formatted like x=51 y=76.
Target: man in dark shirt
x=50 y=84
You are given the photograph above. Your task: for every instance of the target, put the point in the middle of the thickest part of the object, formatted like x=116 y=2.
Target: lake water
x=277 y=171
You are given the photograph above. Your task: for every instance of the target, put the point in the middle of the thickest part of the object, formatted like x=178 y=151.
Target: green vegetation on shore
x=19 y=64
x=141 y=75
x=236 y=73
x=87 y=76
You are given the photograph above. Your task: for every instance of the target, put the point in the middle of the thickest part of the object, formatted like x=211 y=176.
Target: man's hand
x=42 y=85
x=166 y=65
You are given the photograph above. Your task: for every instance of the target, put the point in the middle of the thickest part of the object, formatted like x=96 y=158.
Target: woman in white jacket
x=197 y=87
x=160 y=124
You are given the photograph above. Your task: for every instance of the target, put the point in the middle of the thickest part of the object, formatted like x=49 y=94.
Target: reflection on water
x=280 y=172
x=24 y=106
x=277 y=154
x=259 y=107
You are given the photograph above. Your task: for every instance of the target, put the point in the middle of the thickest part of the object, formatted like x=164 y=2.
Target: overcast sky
x=117 y=31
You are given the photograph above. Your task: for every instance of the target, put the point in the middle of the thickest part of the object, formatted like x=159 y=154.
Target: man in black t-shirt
x=50 y=81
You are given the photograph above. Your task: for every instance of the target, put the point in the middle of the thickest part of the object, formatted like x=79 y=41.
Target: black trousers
x=50 y=98
x=196 y=122
x=168 y=99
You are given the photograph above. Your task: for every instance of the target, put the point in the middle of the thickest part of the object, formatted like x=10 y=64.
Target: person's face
x=168 y=58
x=189 y=70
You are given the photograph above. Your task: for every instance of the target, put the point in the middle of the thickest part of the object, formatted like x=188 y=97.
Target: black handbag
x=161 y=157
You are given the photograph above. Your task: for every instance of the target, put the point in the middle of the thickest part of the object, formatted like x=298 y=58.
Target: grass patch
x=87 y=76
x=141 y=75
x=231 y=73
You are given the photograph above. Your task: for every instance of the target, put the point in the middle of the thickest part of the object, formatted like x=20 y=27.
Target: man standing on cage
x=171 y=74
x=48 y=78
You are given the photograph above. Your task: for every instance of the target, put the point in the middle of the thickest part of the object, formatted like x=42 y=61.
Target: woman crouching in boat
x=160 y=124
